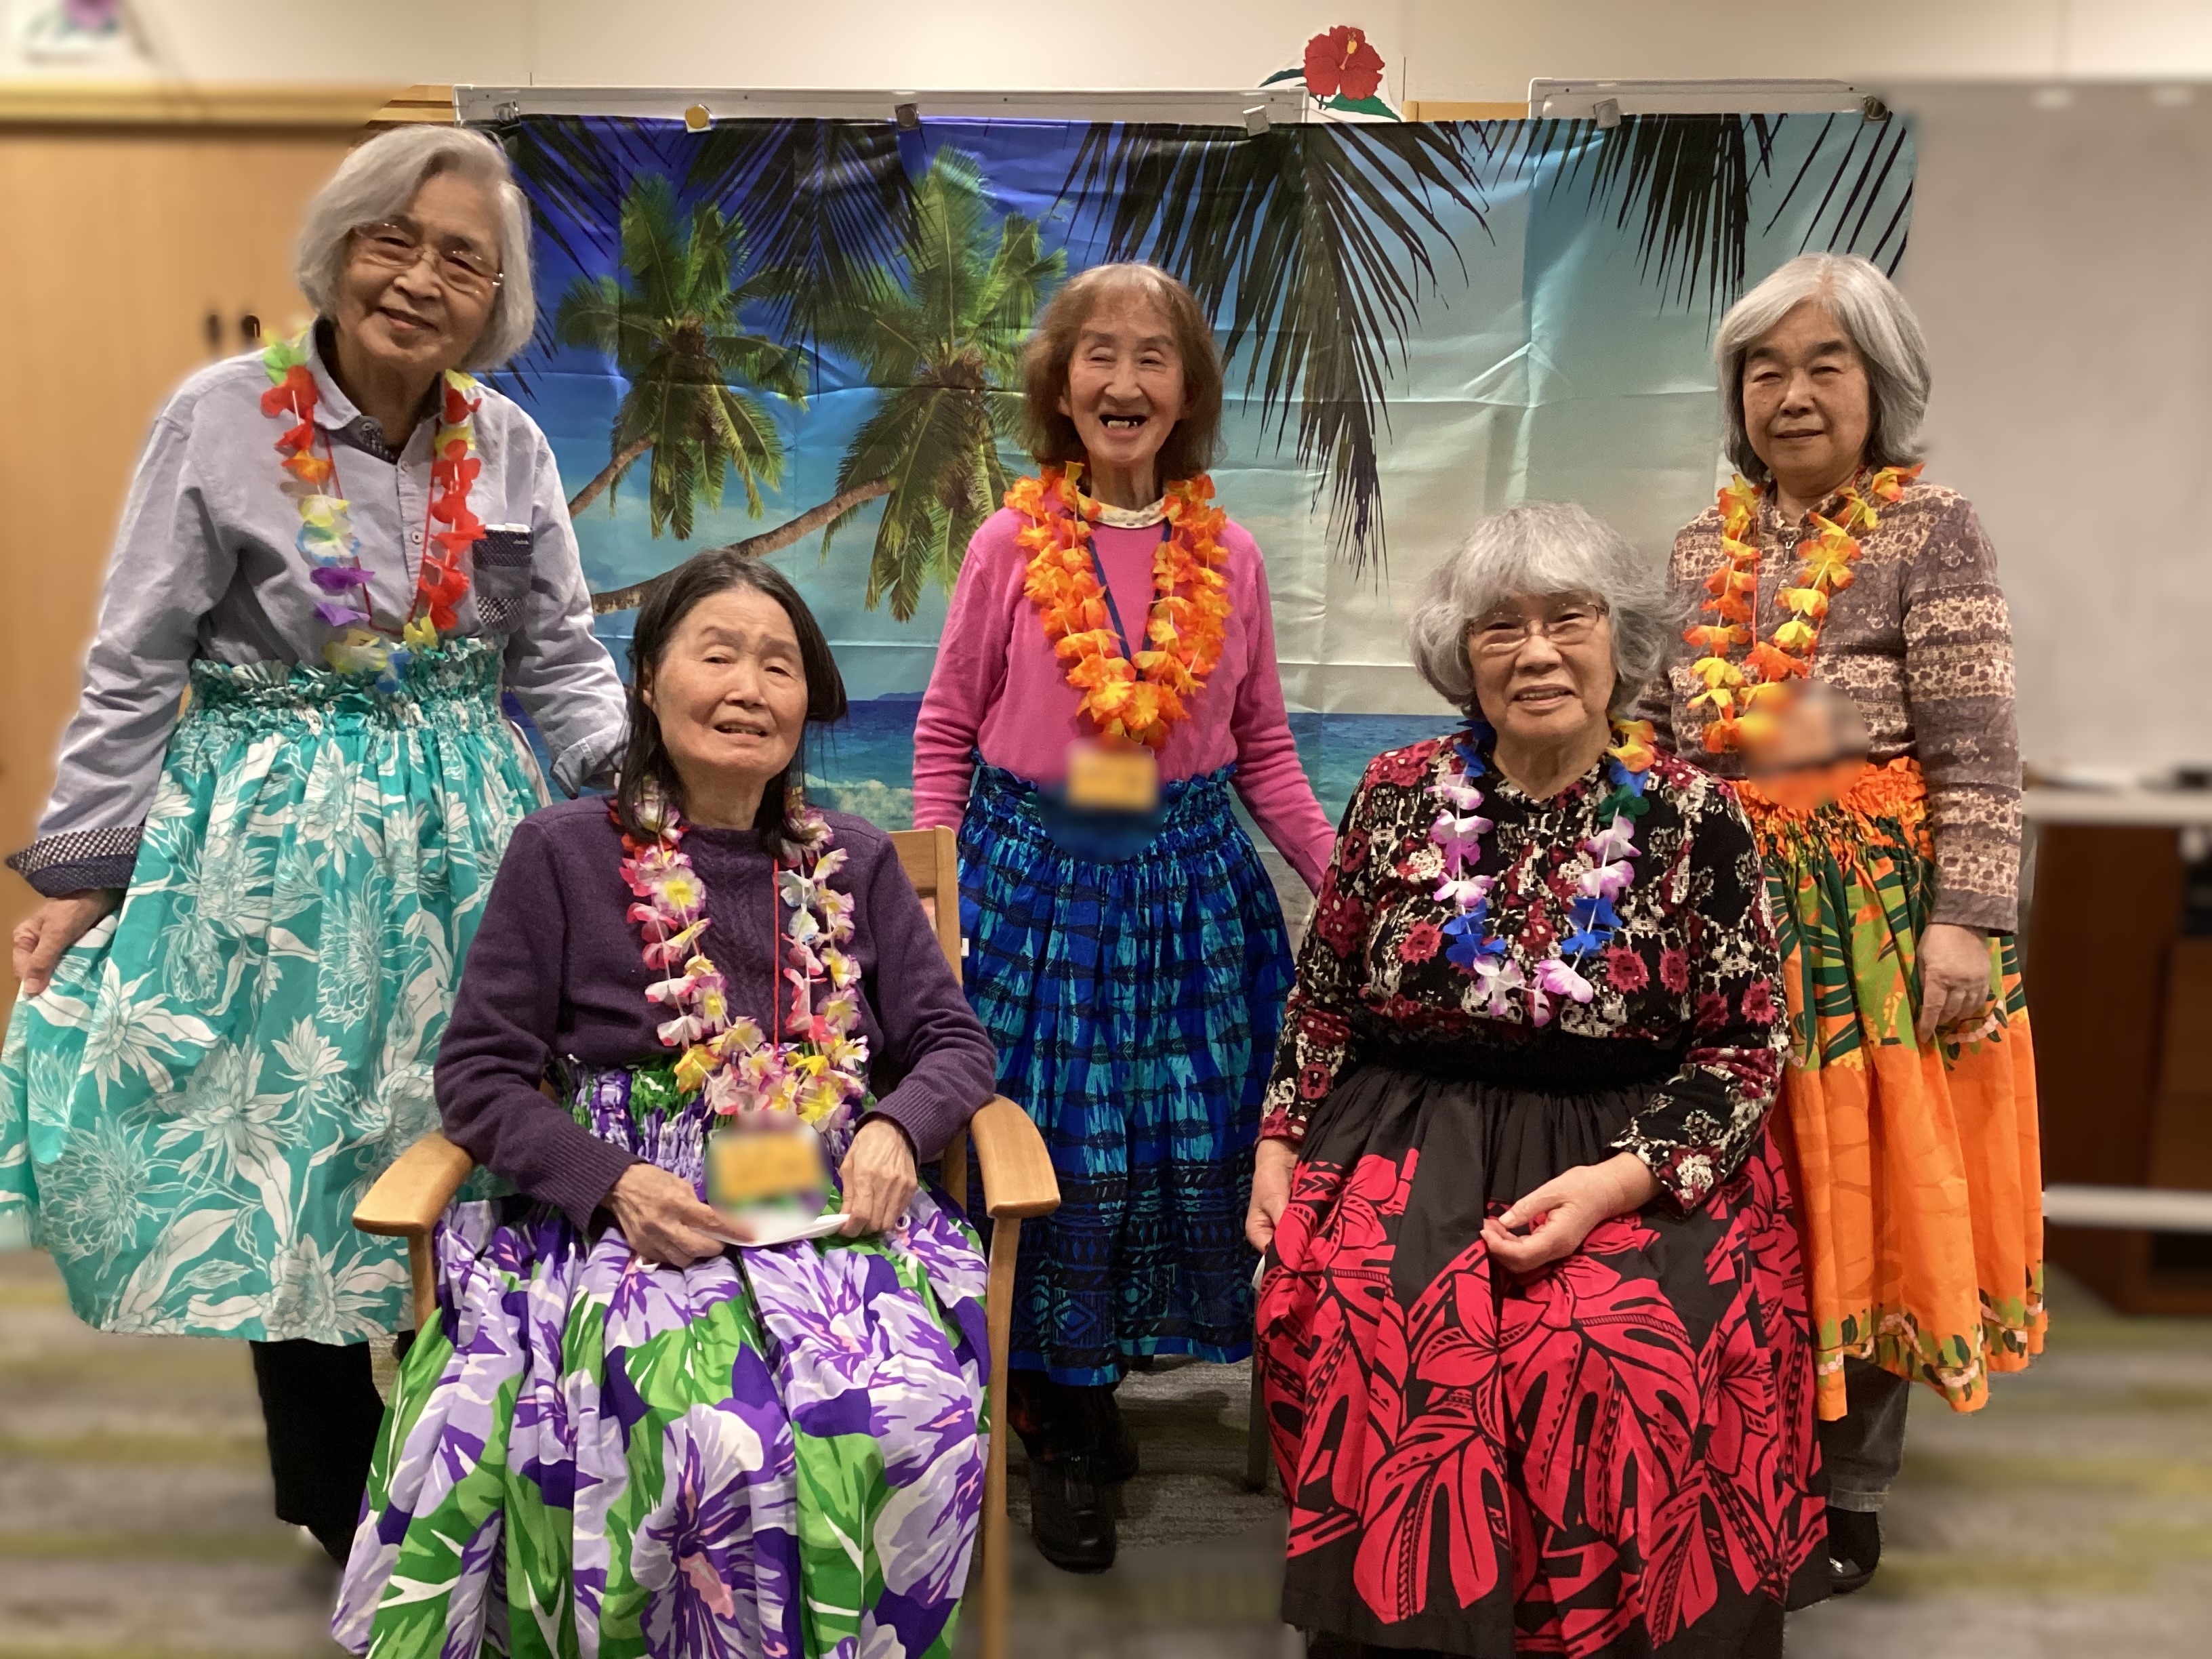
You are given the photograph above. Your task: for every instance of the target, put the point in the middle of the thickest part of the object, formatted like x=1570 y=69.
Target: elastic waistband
x=1897 y=791
x=1192 y=811
x=464 y=672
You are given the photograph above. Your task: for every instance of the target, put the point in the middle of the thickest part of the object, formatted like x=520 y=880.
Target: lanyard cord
x=1113 y=611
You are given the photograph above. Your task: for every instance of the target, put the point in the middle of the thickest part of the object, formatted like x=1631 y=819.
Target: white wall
x=2061 y=261
x=1483 y=50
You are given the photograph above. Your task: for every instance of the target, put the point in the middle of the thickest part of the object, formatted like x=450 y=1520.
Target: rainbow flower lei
x=814 y=1077
x=1458 y=833
x=1128 y=702
x=1742 y=698
x=326 y=538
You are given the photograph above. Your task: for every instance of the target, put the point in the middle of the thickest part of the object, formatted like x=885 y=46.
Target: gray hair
x=1540 y=549
x=1881 y=326
x=376 y=183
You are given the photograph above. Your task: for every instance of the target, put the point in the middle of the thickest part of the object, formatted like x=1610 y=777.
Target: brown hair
x=1053 y=440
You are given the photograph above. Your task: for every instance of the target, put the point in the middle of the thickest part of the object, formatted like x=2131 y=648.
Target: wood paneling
x=162 y=104
x=121 y=244
x=2181 y=1120
x=2123 y=1021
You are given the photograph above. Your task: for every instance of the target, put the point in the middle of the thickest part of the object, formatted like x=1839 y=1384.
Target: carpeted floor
x=2073 y=1517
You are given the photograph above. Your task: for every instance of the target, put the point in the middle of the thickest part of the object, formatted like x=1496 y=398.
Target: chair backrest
x=931 y=861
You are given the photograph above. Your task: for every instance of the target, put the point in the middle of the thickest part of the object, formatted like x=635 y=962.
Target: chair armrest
x=409 y=1197
x=1017 y=1178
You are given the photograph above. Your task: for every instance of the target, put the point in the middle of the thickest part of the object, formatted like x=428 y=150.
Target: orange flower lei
x=1128 y=702
x=1740 y=697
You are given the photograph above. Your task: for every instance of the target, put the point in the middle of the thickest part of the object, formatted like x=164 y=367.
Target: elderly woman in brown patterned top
x=1887 y=807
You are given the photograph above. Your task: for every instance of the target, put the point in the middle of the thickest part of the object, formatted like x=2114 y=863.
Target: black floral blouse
x=1690 y=977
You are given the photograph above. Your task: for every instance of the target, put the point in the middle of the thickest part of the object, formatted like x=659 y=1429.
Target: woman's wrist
x=1631 y=1181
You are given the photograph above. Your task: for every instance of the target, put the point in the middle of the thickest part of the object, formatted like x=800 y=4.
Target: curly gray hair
x=1540 y=549
x=377 y=182
x=1881 y=327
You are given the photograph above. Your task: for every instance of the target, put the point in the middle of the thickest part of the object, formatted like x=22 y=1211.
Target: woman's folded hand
x=1560 y=1213
x=879 y=1177
x=1272 y=1163
x=661 y=1217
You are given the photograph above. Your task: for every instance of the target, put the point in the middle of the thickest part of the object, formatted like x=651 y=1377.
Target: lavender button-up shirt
x=205 y=565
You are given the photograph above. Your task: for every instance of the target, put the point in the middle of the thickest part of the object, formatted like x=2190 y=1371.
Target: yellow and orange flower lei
x=1127 y=703
x=1742 y=697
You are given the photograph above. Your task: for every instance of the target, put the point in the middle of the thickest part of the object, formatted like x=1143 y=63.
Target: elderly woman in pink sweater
x=1107 y=674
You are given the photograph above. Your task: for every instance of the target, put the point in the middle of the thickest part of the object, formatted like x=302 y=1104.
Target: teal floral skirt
x=773 y=1454
x=219 y=1071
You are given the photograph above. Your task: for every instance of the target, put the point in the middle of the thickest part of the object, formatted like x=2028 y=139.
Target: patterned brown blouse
x=1686 y=989
x=1922 y=643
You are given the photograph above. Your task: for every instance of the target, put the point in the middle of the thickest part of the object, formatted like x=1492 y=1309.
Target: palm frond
x=1688 y=182
x=829 y=201
x=1312 y=244
x=656 y=255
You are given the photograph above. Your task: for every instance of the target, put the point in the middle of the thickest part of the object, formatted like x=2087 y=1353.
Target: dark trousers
x=1863 y=1449
x=1062 y=1420
x=320 y=1406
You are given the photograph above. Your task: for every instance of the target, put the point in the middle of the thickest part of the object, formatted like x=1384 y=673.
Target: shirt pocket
x=502 y=578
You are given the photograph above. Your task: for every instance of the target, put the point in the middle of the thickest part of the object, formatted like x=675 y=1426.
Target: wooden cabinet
x=2121 y=1007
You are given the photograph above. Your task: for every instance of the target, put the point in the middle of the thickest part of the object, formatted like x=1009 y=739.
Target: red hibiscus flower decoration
x=1343 y=62
x=1624 y=970
x=1674 y=970
x=1758 y=1003
x=1420 y=942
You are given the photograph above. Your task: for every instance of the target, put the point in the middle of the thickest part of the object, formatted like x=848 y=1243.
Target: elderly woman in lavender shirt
x=674 y=1446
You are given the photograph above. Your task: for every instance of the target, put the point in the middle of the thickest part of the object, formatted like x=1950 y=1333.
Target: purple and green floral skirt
x=777 y=1452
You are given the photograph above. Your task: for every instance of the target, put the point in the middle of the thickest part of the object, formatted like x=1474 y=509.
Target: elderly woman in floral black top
x=1532 y=1329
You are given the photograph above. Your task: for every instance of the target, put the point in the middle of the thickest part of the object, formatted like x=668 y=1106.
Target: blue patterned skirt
x=1134 y=1002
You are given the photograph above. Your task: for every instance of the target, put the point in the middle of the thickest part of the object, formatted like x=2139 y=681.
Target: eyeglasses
x=1568 y=623
x=395 y=247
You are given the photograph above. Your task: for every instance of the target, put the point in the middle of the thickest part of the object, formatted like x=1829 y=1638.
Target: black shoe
x=1071 y=1514
x=1854 y=1549
x=1119 y=1462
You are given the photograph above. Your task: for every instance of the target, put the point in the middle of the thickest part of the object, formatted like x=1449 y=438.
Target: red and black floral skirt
x=1614 y=1456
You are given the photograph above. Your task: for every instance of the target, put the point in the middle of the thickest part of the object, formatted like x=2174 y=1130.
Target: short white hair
x=1881 y=326
x=375 y=184
x=1540 y=550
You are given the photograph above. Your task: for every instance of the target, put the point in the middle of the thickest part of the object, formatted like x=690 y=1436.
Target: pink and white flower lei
x=816 y=1074
x=1471 y=944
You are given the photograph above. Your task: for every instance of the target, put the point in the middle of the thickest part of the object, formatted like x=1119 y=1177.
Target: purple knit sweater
x=558 y=969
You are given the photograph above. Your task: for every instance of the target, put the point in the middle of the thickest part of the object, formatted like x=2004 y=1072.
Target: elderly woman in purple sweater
x=671 y=1445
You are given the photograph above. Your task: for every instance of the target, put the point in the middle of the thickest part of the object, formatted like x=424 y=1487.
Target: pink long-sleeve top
x=998 y=690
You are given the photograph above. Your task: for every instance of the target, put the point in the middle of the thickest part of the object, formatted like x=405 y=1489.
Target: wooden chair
x=1018 y=1183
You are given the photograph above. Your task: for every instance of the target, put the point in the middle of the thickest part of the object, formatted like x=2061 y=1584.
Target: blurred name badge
x=1112 y=780
x=762 y=1166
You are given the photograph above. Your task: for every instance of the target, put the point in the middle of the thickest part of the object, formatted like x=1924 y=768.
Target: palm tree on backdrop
x=939 y=330
x=671 y=321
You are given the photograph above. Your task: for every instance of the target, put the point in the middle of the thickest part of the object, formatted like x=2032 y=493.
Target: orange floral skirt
x=1916 y=1170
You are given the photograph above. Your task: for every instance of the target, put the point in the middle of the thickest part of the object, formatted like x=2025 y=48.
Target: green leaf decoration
x=1368 y=105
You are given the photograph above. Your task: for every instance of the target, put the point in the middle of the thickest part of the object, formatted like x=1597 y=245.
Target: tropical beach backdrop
x=802 y=336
